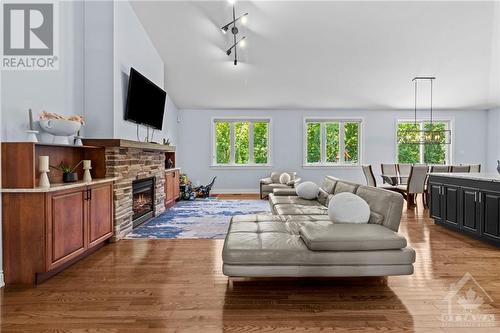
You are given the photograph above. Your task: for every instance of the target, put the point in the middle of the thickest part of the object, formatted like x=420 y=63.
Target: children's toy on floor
x=186 y=188
x=203 y=191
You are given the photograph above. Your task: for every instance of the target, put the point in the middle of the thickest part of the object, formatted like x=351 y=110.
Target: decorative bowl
x=61 y=129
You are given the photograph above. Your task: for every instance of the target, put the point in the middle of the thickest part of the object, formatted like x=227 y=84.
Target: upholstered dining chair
x=440 y=168
x=475 y=168
x=388 y=170
x=404 y=172
x=460 y=168
x=415 y=186
x=370 y=178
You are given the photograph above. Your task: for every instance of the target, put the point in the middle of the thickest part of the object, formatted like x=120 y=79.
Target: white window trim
x=323 y=163
x=251 y=164
x=451 y=125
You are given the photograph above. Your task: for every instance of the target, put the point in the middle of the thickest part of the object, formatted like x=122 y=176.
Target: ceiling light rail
x=235 y=31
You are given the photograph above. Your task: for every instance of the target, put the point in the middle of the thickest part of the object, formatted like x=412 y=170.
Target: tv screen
x=145 y=101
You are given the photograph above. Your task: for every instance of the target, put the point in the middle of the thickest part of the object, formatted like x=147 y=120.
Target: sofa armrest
x=294 y=182
x=266 y=180
x=285 y=192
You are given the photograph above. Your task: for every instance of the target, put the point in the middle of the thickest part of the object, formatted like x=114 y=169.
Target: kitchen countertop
x=58 y=186
x=488 y=177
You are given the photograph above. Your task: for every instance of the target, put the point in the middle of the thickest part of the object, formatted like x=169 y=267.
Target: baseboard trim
x=2 y=283
x=236 y=190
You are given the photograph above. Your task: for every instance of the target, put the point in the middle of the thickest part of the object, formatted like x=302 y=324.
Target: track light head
x=228 y=52
x=224 y=29
x=235 y=62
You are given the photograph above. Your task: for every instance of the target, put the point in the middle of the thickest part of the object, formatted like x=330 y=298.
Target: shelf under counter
x=59 y=186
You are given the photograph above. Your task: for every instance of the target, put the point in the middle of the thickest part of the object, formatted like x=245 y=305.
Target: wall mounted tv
x=145 y=101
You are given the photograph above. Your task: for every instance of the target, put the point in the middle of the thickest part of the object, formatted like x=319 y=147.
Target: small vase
x=70 y=177
x=498 y=166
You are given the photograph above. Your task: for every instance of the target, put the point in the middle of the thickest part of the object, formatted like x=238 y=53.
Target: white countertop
x=58 y=186
x=483 y=176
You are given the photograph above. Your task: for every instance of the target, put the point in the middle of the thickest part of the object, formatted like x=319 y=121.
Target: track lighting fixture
x=235 y=31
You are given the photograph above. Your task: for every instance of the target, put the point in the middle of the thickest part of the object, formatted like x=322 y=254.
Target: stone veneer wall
x=130 y=164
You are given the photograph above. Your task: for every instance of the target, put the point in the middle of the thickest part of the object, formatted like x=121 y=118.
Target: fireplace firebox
x=143 y=200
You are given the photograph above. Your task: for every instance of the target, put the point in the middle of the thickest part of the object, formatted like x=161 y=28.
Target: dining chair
x=404 y=172
x=460 y=168
x=415 y=186
x=388 y=170
x=370 y=177
x=475 y=168
x=440 y=168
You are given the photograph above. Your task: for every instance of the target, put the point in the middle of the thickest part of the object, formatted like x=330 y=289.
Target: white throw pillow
x=284 y=178
x=348 y=208
x=308 y=190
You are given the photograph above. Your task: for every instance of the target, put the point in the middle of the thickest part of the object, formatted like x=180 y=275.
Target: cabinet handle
x=89 y=196
x=480 y=197
x=475 y=196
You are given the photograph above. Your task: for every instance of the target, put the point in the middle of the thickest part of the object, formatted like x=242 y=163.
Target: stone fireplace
x=131 y=161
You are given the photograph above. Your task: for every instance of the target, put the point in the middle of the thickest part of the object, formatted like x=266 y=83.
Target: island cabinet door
x=470 y=210
x=100 y=202
x=66 y=226
x=436 y=201
x=451 y=206
x=490 y=216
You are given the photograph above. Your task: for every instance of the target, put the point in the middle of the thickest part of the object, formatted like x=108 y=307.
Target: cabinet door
x=436 y=200
x=451 y=205
x=66 y=226
x=490 y=215
x=169 y=183
x=100 y=202
x=470 y=210
x=176 y=185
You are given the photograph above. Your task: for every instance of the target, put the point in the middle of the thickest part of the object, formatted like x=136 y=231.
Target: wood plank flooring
x=178 y=286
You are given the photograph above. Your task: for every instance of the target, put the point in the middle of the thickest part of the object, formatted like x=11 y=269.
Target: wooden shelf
x=122 y=143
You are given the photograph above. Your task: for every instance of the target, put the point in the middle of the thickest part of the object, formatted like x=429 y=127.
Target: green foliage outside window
x=332 y=142
x=408 y=153
x=222 y=142
x=351 y=142
x=432 y=153
x=241 y=152
x=313 y=142
x=435 y=153
x=260 y=135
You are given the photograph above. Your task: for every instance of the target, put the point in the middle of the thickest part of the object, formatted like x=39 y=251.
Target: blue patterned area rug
x=204 y=219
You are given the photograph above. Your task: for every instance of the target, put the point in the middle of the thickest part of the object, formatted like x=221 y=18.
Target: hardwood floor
x=178 y=286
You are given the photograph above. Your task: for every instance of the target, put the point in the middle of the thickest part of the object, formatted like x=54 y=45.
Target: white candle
x=86 y=164
x=43 y=163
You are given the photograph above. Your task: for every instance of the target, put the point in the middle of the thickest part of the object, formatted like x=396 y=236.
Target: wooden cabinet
x=470 y=206
x=171 y=186
x=44 y=232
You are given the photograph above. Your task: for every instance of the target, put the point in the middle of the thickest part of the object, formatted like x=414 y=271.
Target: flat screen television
x=145 y=101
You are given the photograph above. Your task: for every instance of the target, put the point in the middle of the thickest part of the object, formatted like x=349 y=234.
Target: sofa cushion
x=295 y=209
x=268 y=188
x=348 y=208
x=323 y=197
x=343 y=186
x=351 y=237
x=275 y=177
x=286 y=192
x=376 y=218
x=277 y=199
x=308 y=190
x=387 y=204
x=284 y=178
x=328 y=185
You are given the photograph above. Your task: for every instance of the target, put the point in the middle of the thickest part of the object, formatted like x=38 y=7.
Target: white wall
x=115 y=42
x=54 y=91
x=378 y=143
x=493 y=140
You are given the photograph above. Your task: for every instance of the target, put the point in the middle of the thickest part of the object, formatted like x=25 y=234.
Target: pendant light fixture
x=235 y=31
x=427 y=133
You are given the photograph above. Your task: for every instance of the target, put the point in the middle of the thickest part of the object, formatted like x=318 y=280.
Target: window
x=332 y=142
x=241 y=142
x=423 y=153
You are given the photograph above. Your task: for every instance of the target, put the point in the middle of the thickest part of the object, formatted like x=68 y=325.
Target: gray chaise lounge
x=299 y=240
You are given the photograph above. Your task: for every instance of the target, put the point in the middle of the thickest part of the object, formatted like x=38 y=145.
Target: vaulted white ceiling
x=328 y=54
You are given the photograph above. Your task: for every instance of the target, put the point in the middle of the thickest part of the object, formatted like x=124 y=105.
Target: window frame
x=323 y=120
x=421 y=121
x=232 y=164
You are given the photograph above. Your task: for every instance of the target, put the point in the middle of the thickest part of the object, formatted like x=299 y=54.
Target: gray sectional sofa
x=298 y=239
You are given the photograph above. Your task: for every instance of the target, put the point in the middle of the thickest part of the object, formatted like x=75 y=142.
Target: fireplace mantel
x=123 y=143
